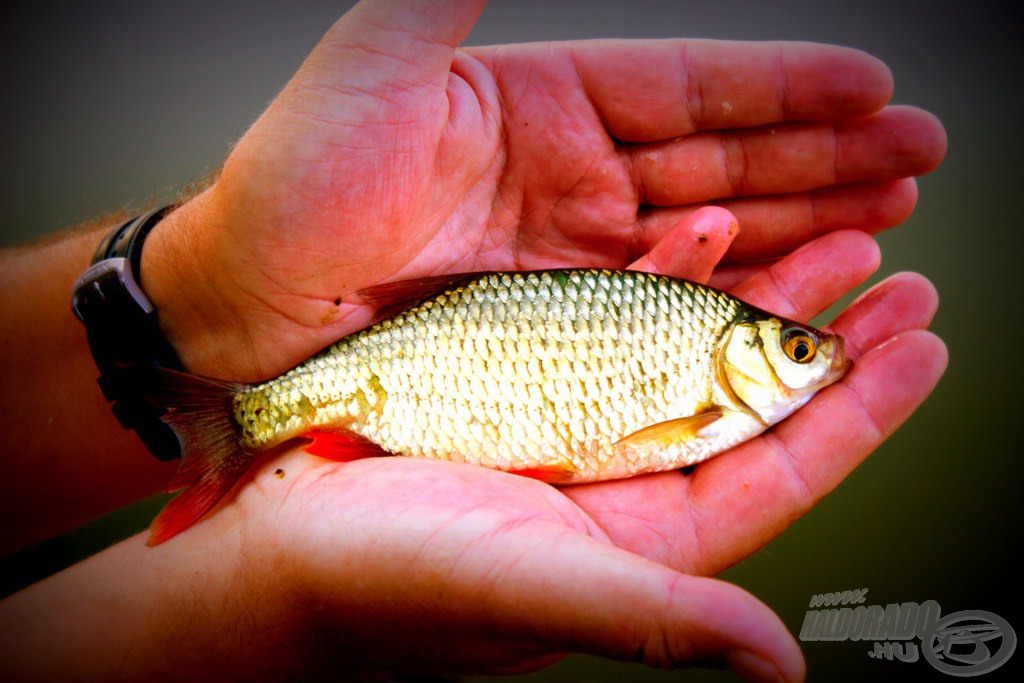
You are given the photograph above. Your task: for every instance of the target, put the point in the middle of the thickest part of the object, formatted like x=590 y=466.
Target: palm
x=519 y=160
x=468 y=562
x=428 y=538
x=535 y=184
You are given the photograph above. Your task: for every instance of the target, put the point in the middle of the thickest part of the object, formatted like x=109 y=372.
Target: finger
x=812 y=278
x=398 y=46
x=727 y=278
x=693 y=248
x=775 y=225
x=647 y=91
x=579 y=595
x=909 y=302
x=895 y=143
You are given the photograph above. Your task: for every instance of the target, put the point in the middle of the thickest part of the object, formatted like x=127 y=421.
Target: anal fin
x=557 y=472
x=340 y=445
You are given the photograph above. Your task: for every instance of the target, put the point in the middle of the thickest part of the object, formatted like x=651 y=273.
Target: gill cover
x=773 y=366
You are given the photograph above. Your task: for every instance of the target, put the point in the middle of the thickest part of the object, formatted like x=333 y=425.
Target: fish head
x=772 y=366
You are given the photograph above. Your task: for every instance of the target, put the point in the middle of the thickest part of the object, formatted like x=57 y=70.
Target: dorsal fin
x=391 y=298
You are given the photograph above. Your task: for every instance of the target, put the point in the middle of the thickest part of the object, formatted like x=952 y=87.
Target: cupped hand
x=408 y=564
x=392 y=154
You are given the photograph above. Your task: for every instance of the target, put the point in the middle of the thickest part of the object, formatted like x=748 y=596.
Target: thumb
x=692 y=246
x=585 y=596
x=397 y=45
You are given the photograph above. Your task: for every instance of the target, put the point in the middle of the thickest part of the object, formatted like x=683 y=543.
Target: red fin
x=213 y=453
x=555 y=473
x=341 y=445
x=394 y=297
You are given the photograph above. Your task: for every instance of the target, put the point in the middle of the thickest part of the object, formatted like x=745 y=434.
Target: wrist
x=183 y=276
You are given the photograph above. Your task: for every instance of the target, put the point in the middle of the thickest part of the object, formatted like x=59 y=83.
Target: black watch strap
x=124 y=335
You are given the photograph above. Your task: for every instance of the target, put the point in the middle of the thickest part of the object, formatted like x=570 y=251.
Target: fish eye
x=799 y=345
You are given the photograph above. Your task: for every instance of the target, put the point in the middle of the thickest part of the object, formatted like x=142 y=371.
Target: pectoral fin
x=663 y=434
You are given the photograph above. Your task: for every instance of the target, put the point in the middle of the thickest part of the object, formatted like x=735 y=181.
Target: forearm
x=65 y=456
x=131 y=612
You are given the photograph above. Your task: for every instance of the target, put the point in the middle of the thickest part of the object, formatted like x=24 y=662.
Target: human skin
x=392 y=155
x=388 y=564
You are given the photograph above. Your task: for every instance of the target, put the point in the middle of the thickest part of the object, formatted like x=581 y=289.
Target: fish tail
x=214 y=455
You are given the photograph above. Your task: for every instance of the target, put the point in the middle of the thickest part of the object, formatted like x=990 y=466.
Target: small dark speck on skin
x=702 y=238
x=279 y=473
x=337 y=301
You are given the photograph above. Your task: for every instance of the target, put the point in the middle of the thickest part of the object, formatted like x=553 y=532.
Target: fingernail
x=751 y=667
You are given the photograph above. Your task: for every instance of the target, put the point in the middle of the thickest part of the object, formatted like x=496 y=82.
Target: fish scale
x=517 y=371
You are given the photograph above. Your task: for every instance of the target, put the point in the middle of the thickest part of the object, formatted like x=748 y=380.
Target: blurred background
x=119 y=104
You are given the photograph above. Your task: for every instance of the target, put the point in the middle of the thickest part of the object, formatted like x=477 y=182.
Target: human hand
x=528 y=157
x=406 y=565
x=321 y=568
x=391 y=155
x=375 y=165
x=434 y=566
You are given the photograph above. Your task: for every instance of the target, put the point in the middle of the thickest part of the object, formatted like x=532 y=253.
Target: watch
x=124 y=335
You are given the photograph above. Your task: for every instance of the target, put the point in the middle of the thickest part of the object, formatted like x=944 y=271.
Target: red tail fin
x=214 y=456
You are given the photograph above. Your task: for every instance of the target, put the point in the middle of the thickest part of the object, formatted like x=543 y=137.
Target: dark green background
x=115 y=103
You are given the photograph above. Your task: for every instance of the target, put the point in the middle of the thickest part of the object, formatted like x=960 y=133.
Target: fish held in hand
x=566 y=375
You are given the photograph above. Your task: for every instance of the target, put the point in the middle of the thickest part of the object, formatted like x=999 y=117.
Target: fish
x=567 y=376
